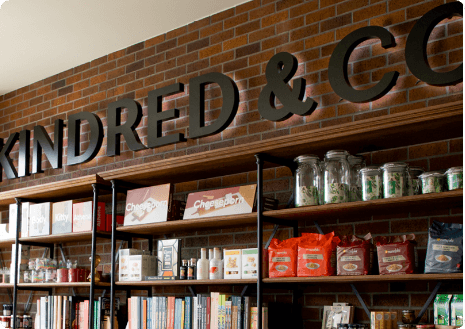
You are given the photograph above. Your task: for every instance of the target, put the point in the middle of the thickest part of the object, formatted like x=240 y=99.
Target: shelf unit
x=406 y=128
x=411 y=127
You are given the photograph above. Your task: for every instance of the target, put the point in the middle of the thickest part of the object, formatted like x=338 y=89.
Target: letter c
x=196 y=204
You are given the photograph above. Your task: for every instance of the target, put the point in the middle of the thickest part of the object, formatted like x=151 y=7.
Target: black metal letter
x=156 y=116
x=197 y=85
x=74 y=140
x=24 y=153
x=415 y=48
x=337 y=70
x=53 y=151
x=128 y=129
x=5 y=160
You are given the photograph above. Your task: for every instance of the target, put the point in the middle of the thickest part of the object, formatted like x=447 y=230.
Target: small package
x=232 y=263
x=282 y=258
x=124 y=264
x=249 y=263
x=169 y=258
x=62 y=217
x=141 y=266
x=317 y=254
x=354 y=255
x=456 y=310
x=442 y=309
x=396 y=254
x=335 y=315
x=39 y=224
x=445 y=248
x=25 y=218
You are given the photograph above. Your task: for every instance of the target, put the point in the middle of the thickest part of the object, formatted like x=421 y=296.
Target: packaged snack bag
x=282 y=256
x=445 y=248
x=396 y=254
x=317 y=254
x=354 y=255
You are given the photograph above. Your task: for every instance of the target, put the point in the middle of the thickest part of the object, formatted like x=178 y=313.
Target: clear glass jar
x=322 y=182
x=372 y=183
x=337 y=177
x=432 y=182
x=395 y=179
x=414 y=183
x=454 y=178
x=307 y=181
x=356 y=162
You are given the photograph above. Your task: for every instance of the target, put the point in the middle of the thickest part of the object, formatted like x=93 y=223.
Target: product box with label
x=141 y=266
x=249 y=263
x=62 y=217
x=12 y=212
x=40 y=219
x=169 y=257
x=25 y=218
x=383 y=320
x=232 y=263
x=124 y=264
x=442 y=309
x=82 y=216
x=335 y=315
x=456 y=310
x=148 y=205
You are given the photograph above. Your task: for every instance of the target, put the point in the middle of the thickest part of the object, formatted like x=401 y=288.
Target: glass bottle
x=395 y=179
x=372 y=183
x=307 y=181
x=183 y=270
x=203 y=265
x=337 y=177
x=356 y=162
x=191 y=269
x=413 y=182
x=216 y=266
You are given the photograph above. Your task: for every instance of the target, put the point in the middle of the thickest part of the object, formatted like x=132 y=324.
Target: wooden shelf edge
x=186 y=282
x=62 y=238
x=62 y=285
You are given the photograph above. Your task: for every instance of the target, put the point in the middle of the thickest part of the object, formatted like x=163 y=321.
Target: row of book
x=214 y=311
x=68 y=312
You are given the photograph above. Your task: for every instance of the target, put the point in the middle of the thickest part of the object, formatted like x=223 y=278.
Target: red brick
x=222 y=15
x=336 y=22
x=188 y=38
x=276 y=18
x=425 y=92
x=388 y=19
x=421 y=9
x=154 y=41
x=276 y=41
x=304 y=32
x=398 y=4
x=393 y=155
x=262 y=34
x=320 y=15
x=234 y=43
x=236 y=20
x=350 y=5
x=213 y=50
x=262 y=11
x=290 y=24
x=303 y=8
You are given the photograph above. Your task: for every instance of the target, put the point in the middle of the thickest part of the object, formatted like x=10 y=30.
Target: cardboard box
x=335 y=315
x=141 y=266
x=25 y=218
x=249 y=263
x=82 y=216
x=442 y=309
x=377 y=320
x=124 y=269
x=456 y=310
x=394 y=320
x=39 y=224
x=62 y=217
x=148 y=205
x=169 y=257
x=12 y=212
x=232 y=263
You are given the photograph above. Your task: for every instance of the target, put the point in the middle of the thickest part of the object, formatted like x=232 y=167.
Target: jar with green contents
x=414 y=183
x=432 y=182
x=307 y=181
x=356 y=162
x=336 y=177
x=454 y=178
x=372 y=183
x=395 y=179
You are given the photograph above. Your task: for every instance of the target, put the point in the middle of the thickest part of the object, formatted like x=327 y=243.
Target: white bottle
x=216 y=266
x=202 y=265
x=210 y=255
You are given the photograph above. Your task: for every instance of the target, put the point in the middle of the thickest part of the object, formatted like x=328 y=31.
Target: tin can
x=73 y=275
x=62 y=275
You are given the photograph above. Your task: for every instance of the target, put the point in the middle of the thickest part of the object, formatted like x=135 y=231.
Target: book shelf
x=410 y=127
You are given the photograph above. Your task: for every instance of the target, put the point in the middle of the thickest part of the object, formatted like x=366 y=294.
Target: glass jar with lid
x=408 y=316
x=432 y=182
x=336 y=177
x=307 y=181
x=372 y=183
x=356 y=163
x=454 y=178
x=395 y=179
x=414 y=185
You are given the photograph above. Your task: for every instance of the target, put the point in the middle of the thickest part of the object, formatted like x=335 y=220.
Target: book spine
x=164 y=311
x=208 y=312
x=188 y=313
x=194 y=313
x=183 y=312
x=144 y=313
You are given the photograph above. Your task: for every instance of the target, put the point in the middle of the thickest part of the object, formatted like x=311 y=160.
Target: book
x=39 y=224
x=62 y=217
x=82 y=216
x=109 y=220
x=188 y=313
x=195 y=323
x=25 y=218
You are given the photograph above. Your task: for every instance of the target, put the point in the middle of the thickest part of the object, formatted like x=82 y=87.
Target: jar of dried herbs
x=432 y=182
x=336 y=177
x=414 y=183
x=307 y=181
x=395 y=179
x=356 y=163
x=372 y=183
x=454 y=178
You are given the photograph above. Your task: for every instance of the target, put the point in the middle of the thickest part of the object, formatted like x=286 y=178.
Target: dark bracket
x=276 y=227
x=428 y=301
x=318 y=227
x=360 y=299
x=192 y=290
x=244 y=290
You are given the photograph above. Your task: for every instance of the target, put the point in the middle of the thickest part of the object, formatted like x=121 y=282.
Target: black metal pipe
x=259 y=237
x=15 y=263
x=95 y=188
x=113 y=250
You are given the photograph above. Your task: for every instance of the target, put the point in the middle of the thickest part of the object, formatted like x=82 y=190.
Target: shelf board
x=6 y=243
x=63 y=238
x=425 y=201
x=6 y=285
x=366 y=278
x=100 y=285
x=75 y=188
x=185 y=282
x=428 y=124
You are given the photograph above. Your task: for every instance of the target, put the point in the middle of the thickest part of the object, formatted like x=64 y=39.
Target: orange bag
x=317 y=254
x=282 y=256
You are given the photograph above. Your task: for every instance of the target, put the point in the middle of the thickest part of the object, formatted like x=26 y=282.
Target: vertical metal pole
x=92 y=262
x=259 y=238
x=113 y=250
x=15 y=263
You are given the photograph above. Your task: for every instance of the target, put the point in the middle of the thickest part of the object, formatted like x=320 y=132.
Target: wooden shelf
x=75 y=188
x=410 y=127
x=366 y=278
x=185 y=282
x=6 y=285
x=100 y=285
x=6 y=243
x=425 y=201
x=63 y=238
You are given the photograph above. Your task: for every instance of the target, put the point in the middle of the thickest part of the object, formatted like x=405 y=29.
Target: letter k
x=5 y=160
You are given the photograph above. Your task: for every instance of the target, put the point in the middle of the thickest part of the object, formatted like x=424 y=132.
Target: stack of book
x=66 y=312
x=215 y=311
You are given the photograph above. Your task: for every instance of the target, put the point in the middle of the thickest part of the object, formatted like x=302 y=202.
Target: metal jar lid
x=371 y=170
x=306 y=158
x=336 y=153
x=394 y=165
x=432 y=174
x=454 y=170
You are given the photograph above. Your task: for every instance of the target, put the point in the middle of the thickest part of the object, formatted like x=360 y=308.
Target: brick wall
x=239 y=42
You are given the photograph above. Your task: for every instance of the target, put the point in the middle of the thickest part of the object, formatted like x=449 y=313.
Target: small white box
x=124 y=265
x=25 y=218
x=141 y=266
x=12 y=221
x=39 y=219
x=232 y=263
x=4 y=232
x=250 y=263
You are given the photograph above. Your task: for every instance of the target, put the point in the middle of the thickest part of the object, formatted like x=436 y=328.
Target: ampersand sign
x=279 y=70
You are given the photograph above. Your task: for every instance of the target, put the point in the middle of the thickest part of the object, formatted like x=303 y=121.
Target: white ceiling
x=40 y=38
